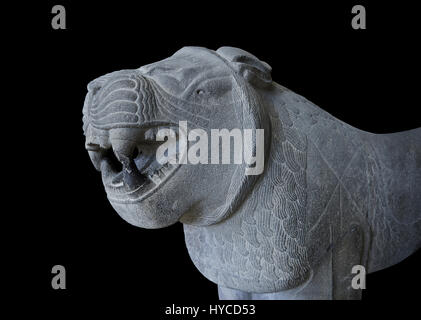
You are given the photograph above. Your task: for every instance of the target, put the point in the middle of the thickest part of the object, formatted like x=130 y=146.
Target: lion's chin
x=143 y=216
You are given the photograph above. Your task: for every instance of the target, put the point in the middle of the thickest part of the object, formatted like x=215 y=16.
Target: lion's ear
x=247 y=65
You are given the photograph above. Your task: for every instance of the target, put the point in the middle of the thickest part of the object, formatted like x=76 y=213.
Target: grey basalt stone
x=331 y=196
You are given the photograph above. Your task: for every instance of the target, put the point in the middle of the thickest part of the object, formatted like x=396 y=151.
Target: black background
x=367 y=78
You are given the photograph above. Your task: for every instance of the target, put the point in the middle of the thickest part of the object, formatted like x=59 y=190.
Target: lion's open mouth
x=141 y=174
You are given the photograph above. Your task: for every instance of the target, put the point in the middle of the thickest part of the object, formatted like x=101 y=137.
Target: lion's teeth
x=166 y=170
x=161 y=173
x=156 y=179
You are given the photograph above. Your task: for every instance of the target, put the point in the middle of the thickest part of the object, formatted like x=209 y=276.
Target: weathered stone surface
x=330 y=197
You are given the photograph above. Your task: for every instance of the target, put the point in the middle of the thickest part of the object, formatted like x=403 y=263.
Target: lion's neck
x=261 y=248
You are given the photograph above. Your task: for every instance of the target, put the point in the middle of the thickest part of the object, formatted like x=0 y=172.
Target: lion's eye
x=200 y=91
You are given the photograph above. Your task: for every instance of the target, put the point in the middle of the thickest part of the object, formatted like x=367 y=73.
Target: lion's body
x=330 y=197
x=362 y=207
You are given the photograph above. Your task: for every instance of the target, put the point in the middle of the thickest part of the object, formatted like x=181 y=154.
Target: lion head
x=125 y=111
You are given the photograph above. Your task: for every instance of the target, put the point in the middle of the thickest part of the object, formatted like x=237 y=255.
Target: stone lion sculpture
x=330 y=197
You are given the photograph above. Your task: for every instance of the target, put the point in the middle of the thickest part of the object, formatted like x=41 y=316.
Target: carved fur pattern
x=331 y=195
x=365 y=179
x=385 y=244
x=261 y=248
x=125 y=100
x=129 y=100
